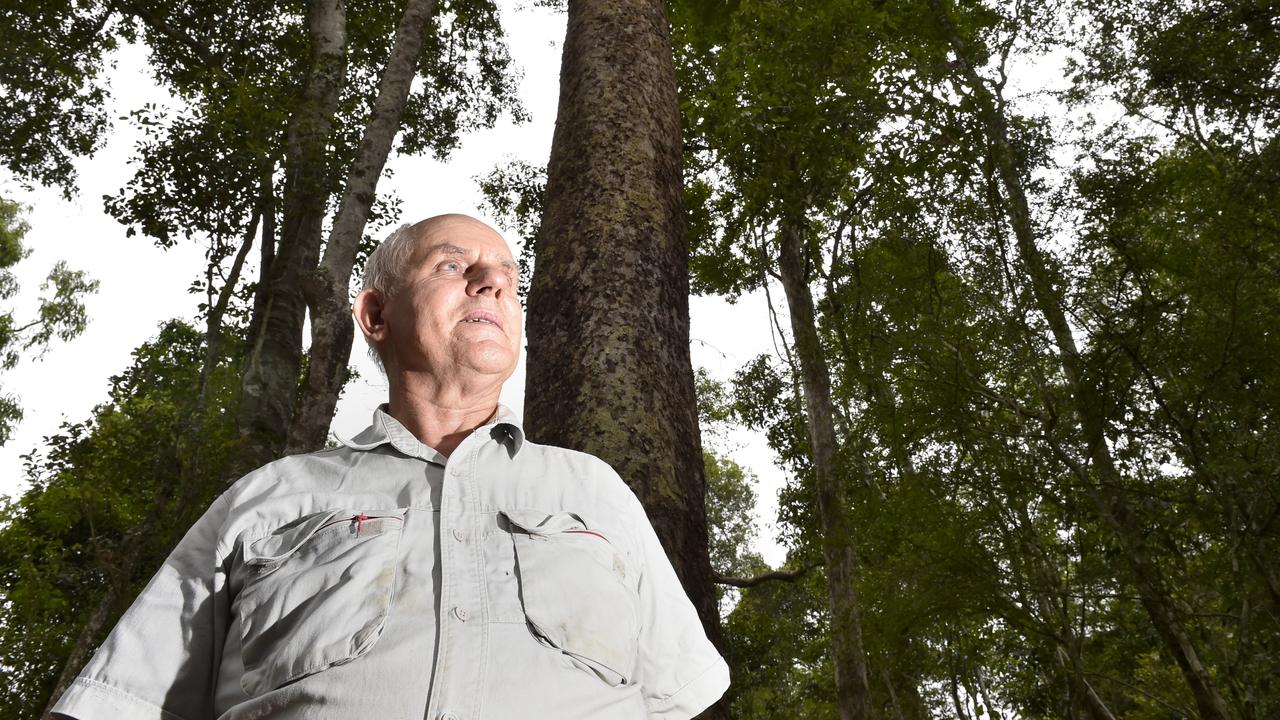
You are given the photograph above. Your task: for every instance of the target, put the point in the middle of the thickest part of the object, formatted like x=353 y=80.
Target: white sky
x=142 y=285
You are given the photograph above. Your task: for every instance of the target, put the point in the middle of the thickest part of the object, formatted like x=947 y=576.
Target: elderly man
x=437 y=565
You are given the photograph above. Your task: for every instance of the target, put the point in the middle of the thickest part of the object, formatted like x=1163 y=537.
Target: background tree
x=782 y=137
x=986 y=551
x=95 y=486
x=608 y=312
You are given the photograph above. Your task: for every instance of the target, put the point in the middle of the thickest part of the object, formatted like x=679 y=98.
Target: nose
x=489 y=279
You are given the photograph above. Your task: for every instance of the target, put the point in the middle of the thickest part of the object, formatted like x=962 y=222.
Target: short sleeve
x=160 y=660
x=680 y=671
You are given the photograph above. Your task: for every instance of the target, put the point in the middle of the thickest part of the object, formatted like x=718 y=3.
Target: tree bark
x=328 y=288
x=1106 y=493
x=608 y=312
x=270 y=377
x=847 y=653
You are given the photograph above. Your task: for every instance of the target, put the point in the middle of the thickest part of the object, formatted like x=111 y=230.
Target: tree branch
x=783 y=575
x=197 y=47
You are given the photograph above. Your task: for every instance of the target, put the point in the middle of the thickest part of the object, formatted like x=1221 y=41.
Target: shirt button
x=448 y=716
x=455 y=470
x=461 y=613
x=459 y=535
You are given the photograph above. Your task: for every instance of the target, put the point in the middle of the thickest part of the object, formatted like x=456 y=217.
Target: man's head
x=439 y=299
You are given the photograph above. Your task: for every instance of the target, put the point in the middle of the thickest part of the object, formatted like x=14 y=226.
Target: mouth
x=481 y=317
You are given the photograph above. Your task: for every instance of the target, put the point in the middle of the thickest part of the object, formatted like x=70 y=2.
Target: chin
x=494 y=363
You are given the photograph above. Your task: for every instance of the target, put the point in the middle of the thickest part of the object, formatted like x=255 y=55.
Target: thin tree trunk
x=1051 y=600
x=270 y=378
x=961 y=712
x=327 y=289
x=1081 y=691
x=608 y=311
x=213 y=323
x=1112 y=505
x=847 y=651
x=893 y=696
x=266 y=256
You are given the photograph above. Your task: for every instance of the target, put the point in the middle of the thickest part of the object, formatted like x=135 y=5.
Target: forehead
x=459 y=236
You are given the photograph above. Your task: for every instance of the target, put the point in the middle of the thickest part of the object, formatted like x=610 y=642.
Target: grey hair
x=384 y=269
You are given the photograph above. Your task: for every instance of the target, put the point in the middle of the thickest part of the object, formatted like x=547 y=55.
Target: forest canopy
x=1022 y=261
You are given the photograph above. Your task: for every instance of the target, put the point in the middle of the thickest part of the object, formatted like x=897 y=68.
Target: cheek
x=517 y=316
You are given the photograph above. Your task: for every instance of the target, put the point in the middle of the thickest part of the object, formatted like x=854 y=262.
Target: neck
x=440 y=416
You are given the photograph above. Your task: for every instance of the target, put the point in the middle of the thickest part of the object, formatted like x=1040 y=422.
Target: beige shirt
x=382 y=580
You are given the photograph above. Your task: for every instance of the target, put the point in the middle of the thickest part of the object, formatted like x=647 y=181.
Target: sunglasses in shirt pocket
x=315 y=593
x=578 y=590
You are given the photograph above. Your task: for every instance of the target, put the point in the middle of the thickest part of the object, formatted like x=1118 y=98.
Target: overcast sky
x=142 y=286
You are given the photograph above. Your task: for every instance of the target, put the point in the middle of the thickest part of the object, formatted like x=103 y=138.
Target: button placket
x=466 y=639
x=452 y=588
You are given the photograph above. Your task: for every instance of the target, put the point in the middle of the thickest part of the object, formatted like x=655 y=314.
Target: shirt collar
x=504 y=427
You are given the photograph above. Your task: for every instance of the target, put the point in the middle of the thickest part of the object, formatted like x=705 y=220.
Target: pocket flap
x=285 y=541
x=282 y=543
x=538 y=522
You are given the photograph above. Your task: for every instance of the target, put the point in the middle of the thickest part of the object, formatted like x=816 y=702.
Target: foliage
x=513 y=195
x=53 y=111
x=731 y=496
x=94 y=483
x=989 y=582
x=778 y=652
x=200 y=168
x=61 y=315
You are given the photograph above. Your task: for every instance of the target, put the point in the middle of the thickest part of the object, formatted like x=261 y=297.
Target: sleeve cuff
x=92 y=700
x=697 y=695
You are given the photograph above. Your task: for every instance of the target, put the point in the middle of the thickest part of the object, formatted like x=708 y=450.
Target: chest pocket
x=315 y=594
x=577 y=590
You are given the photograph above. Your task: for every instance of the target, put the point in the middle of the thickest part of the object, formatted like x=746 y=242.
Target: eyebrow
x=451 y=249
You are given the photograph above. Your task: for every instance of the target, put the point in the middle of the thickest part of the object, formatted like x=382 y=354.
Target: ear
x=368 y=308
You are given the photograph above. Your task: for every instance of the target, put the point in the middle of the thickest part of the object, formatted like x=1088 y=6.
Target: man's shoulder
x=300 y=466
x=292 y=480
x=577 y=461
x=584 y=470
x=285 y=489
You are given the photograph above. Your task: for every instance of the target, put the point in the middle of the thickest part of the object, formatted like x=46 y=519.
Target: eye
x=451 y=266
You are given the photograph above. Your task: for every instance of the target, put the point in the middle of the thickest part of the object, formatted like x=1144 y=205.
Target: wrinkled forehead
x=459 y=235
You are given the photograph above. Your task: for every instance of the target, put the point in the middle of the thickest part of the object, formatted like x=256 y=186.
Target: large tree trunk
x=608 y=312
x=270 y=378
x=1106 y=491
x=847 y=654
x=327 y=289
